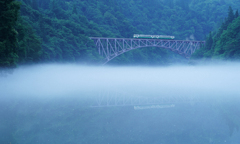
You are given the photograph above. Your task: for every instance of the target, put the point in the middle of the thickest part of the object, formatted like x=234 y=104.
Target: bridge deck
x=145 y=39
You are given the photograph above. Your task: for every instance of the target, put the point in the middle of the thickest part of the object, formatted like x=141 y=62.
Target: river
x=70 y=103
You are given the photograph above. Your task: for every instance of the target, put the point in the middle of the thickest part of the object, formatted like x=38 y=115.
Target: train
x=142 y=36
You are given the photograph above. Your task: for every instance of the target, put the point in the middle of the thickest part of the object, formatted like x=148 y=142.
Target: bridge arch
x=113 y=47
x=118 y=54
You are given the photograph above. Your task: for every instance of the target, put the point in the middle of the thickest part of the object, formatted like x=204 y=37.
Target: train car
x=141 y=36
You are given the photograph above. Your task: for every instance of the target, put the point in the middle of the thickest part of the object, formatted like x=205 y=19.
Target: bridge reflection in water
x=115 y=99
x=110 y=48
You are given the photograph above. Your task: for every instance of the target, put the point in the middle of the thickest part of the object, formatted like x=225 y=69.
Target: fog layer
x=56 y=80
x=63 y=104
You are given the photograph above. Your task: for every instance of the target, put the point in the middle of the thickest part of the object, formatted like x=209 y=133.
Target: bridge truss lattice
x=110 y=48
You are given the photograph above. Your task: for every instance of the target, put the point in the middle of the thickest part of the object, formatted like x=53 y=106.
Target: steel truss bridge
x=107 y=99
x=110 y=48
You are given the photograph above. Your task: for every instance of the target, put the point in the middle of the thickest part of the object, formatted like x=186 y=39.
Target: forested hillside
x=223 y=43
x=58 y=30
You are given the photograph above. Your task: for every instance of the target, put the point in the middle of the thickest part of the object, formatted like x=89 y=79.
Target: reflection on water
x=153 y=107
x=77 y=104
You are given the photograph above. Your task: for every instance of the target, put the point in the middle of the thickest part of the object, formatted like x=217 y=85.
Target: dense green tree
x=29 y=44
x=236 y=14
x=9 y=10
x=35 y=4
x=225 y=42
x=230 y=15
x=29 y=2
x=74 y=11
x=62 y=27
x=169 y=3
x=184 y=4
x=209 y=41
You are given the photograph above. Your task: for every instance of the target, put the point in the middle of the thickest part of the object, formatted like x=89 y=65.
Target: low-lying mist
x=67 y=103
x=67 y=80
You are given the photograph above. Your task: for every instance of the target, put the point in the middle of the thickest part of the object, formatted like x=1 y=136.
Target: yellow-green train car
x=141 y=36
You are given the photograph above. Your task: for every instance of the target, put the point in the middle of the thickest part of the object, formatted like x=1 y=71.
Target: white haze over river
x=57 y=80
x=69 y=103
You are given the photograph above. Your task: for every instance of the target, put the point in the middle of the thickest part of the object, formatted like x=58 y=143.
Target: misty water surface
x=52 y=103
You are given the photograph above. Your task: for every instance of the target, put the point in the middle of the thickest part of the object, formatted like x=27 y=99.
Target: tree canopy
x=59 y=30
x=223 y=43
x=9 y=10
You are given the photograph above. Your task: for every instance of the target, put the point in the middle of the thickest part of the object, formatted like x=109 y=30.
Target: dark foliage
x=8 y=34
x=225 y=43
x=58 y=30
